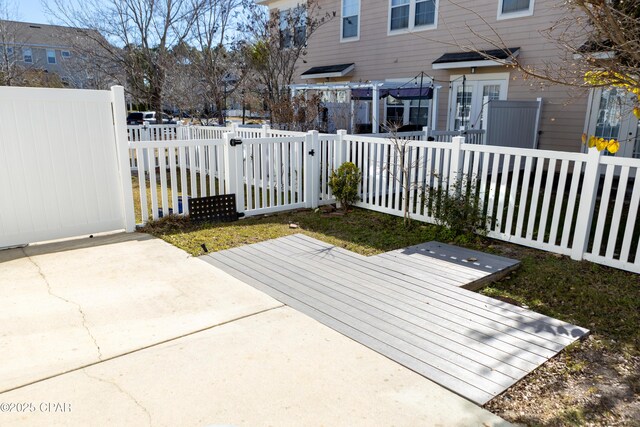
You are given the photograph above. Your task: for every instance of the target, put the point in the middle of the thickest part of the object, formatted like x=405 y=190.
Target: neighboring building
x=44 y=55
x=388 y=46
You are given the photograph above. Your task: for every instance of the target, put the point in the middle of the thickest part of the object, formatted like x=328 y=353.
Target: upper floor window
x=514 y=8
x=51 y=56
x=27 y=56
x=9 y=51
x=293 y=27
x=410 y=15
x=350 y=19
x=65 y=54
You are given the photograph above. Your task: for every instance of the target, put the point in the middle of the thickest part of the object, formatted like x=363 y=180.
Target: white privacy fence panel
x=59 y=164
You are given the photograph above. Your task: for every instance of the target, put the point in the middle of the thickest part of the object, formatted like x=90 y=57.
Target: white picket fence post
x=425 y=129
x=233 y=170
x=587 y=204
x=340 y=149
x=315 y=168
x=122 y=151
x=265 y=131
x=311 y=169
x=455 y=169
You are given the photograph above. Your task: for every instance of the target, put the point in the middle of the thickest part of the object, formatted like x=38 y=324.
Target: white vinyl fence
x=267 y=174
x=581 y=205
x=61 y=152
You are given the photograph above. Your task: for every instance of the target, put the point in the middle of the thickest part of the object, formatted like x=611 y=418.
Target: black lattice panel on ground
x=220 y=208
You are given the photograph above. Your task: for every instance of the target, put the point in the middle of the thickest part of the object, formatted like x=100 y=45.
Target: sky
x=32 y=11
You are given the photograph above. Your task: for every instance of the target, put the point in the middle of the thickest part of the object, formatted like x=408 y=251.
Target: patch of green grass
x=362 y=231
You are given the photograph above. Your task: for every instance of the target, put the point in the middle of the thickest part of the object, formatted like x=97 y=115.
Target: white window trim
x=67 y=52
x=350 y=39
x=412 y=18
x=30 y=55
x=55 y=60
x=512 y=15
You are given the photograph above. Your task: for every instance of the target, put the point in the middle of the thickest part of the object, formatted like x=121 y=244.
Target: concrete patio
x=129 y=330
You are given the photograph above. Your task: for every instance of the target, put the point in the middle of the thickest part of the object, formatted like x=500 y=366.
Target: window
x=10 y=51
x=610 y=117
x=412 y=15
x=51 y=56
x=293 y=27
x=419 y=112
x=27 y=56
x=65 y=54
x=395 y=111
x=514 y=8
x=350 y=19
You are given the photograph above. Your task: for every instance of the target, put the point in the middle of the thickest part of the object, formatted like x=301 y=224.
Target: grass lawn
x=594 y=382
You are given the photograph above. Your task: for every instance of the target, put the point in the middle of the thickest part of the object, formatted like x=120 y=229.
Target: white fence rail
x=472 y=136
x=581 y=205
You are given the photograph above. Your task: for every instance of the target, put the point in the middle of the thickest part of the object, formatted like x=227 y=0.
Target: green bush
x=458 y=209
x=344 y=184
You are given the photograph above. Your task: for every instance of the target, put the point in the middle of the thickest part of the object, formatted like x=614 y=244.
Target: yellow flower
x=613 y=146
x=601 y=144
x=584 y=138
x=636 y=112
x=592 y=141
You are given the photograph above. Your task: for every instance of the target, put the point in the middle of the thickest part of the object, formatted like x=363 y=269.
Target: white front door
x=612 y=118
x=468 y=101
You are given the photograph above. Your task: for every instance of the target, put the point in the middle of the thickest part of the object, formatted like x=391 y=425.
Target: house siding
x=379 y=56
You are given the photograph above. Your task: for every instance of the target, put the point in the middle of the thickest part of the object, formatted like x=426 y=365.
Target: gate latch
x=234 y=142
x=312 y=152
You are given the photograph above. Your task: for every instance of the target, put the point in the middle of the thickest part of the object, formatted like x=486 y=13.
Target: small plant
x=458 y=208
x=344 y=184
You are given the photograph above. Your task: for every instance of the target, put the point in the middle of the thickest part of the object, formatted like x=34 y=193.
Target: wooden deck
x=409 y=306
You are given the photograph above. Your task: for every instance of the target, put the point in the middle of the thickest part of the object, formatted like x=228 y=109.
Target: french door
x=467 y=101
x=611 y=117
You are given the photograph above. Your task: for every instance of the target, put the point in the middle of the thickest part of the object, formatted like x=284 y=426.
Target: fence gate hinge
x=312 y=152
x=234 y=142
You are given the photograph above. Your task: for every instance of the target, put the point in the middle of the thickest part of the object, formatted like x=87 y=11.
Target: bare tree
x=11 y=42
x=400 y=166
x=279 y=42
x=137 y=36
x=215 y=56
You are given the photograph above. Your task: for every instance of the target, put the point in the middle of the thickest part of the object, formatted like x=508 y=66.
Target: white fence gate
x=59 y=164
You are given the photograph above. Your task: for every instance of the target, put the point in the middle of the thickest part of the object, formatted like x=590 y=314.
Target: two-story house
x=379 y=52
x=37 y=53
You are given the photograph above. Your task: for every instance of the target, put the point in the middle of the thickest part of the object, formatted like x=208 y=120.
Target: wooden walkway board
x=408 y=307
x=464 y=267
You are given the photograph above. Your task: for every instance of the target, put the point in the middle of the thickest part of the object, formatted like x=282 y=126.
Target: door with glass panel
x=468 y=99
x=612 y=118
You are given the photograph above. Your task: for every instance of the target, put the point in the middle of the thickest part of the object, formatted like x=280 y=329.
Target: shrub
x=344 y=184
x=458 y=208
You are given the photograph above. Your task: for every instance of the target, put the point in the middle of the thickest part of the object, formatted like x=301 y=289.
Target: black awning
x=338 y=70
x=403 y=93
x=479 y=56
x=593 y=46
